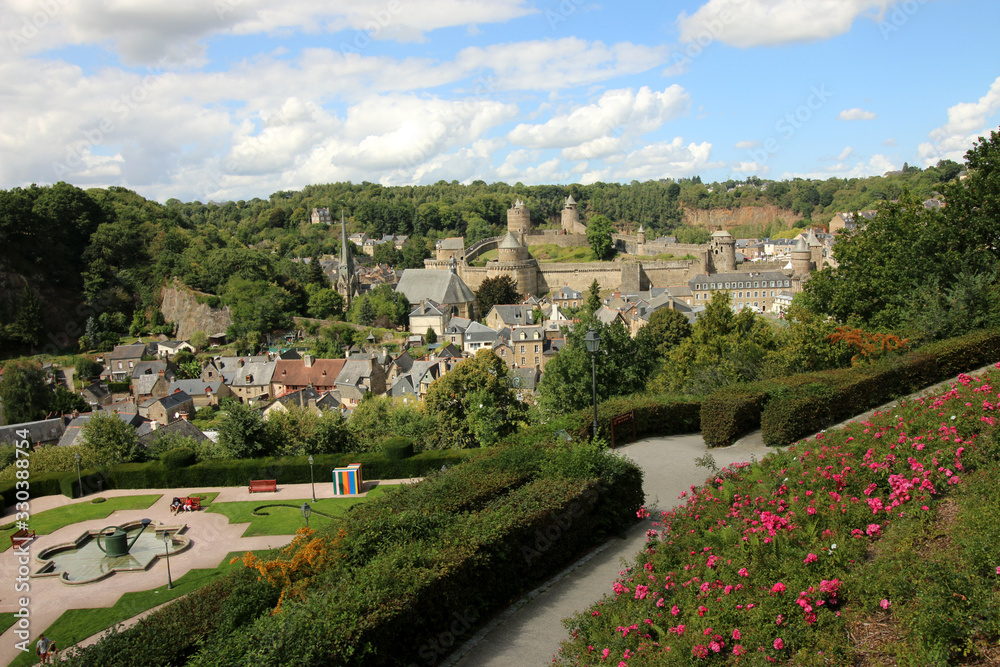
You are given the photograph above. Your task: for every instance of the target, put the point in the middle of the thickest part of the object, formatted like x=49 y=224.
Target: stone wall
x=180 y=306
x=561 y=240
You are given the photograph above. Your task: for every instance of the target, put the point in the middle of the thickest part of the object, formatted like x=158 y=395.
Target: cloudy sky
x=232 y=99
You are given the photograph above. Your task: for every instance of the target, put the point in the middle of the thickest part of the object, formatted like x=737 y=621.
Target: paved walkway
x=212 y=539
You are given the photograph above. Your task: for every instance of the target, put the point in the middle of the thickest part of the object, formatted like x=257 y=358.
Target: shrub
x=180 y=457
x=730 y=413
x=654 y=415
x=98 y=501
x=397 y=448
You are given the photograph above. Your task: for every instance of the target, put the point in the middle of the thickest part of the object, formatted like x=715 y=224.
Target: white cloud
x=601 y=128
x=844 y=154
x=667 y=159
x=746 y=145
x=857 y=114
x=749 y=23
x=890 y=142
x=877 y=165
x=967 y=121
x=558 y=64
x=143 y=32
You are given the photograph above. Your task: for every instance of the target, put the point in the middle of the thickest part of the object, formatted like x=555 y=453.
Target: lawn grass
x=75 y=625
x=52 y=520
x=6 y=620
x=286 y=517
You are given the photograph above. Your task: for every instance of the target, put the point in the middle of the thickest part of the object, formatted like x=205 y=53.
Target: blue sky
x=233 y=99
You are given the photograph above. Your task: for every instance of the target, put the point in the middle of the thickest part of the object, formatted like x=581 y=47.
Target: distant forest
x=108 y=251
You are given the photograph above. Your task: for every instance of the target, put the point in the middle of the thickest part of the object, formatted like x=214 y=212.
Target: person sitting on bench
x=175 y=505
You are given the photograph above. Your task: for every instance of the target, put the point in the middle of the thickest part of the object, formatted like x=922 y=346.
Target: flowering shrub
x=770 y=561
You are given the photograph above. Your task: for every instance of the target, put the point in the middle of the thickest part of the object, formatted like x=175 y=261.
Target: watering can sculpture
x=116 y=542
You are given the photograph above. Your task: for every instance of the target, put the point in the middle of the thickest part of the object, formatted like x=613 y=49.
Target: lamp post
x=306 y=511
x=312 y=480
x=79 y=480
x=167 y=541
x=593 y=342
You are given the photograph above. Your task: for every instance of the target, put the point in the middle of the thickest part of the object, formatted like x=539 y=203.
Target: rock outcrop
x=715 y=219
x=180 y=305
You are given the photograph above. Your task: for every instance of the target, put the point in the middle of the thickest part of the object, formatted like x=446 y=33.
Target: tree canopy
x=496 y=291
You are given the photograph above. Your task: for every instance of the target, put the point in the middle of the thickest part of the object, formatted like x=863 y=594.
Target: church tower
x=347 y=279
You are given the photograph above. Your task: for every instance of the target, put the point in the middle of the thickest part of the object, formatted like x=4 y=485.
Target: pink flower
x=641 y=592
x=605 y=653
x=699 y=651
x=811 y=558
x=778 y=644
x=736 y=634
x=739 y=650
x=778 y=588
x=884 y=604
x=998 y=570
x=675 y=610
x=702 y=609
x=743 y=572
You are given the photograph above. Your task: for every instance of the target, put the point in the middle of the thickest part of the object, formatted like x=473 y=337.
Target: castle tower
x=815 y=249
x=514 y=260
x=510 y=249
x=641 y=237
x=347 y=279
x=801 y=259
x=519 y=220
x=722 y=252
x=570 y=216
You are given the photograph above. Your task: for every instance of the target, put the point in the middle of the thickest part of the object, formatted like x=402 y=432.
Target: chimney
x=307 y=359
x=153 y=425
x=312 y=403
x=184 y=416
x=241 y=362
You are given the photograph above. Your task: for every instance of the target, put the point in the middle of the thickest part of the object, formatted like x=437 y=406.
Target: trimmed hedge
x=789 y=408
x=654 y=415
x=397 y=448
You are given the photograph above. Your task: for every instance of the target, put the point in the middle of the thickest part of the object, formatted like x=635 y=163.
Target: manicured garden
x=52 y=520
x=869 y=545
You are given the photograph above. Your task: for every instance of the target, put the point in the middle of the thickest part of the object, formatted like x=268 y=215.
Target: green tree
x=594 y=297
x=63 y=402
x=496 y=291
x=28 y=326
x=199 y=340
x=315 y=275
x=431 y=336
x=666 y=329
x=474 y=403
x=621 y=368
x=86 y=368
x=415 y=251
x=109 y=440
x=325 y=303
x=23 y=393
x=386 y=253
x=242 y=433
x=599 y=231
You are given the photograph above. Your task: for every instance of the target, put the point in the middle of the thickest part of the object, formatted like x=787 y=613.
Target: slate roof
x=403 y=386
x=509 y=241
x=122 y=352
x=479 y=333
x=143 y=384
x=512 y=314
x=169 y=401
x=426 y=308
x=259 y=374
x=457 y=325
x=195 y=386
x=566 y=293
x=354 y=371
x=148 y=435
x=452 y=243
x=443 y=287
x=45 y=430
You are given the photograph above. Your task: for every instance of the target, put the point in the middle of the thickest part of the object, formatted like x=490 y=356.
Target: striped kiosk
x=347 y=481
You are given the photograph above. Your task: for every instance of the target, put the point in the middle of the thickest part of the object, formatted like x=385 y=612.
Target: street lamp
x=593 y=342
x=306 y=511
x=312 y=480
x=167 y=541
x=79 y=480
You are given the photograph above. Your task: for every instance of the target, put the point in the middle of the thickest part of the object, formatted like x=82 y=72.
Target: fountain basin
x=82 y=562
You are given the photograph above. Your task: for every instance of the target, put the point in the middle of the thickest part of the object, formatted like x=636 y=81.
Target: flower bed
x=889 y=523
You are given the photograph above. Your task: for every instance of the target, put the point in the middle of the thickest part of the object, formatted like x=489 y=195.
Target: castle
x=625 y=274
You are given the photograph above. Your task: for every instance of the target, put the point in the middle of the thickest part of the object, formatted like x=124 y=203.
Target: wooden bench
x=263 y=485
x=21 y=536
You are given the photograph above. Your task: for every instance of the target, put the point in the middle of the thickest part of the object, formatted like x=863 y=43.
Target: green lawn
x=286 y=517
x=75 y=625
x=52 y=520
x=6 y=620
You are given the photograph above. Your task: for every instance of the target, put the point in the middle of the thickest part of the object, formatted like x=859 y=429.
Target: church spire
x=346 y=280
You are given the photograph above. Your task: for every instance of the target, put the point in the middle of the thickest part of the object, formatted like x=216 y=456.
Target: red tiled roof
x=293 y=372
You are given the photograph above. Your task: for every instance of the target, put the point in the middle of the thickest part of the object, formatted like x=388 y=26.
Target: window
x=755 y=295
x=772 y=283
x=741 y=295
x=119 y=365
x=130 y=364
x=522 y=351
x=522 y=361
x=536 y=349
x=772 y=291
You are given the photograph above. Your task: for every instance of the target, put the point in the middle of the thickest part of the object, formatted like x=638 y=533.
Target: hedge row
x=787 y=409
x=654 y=415
x=287 y=470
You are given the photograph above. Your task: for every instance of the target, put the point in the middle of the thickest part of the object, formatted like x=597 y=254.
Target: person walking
x=42 y=648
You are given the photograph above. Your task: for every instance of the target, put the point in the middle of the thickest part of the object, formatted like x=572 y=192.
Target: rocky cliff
x=180 y=305
x=728 y=218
